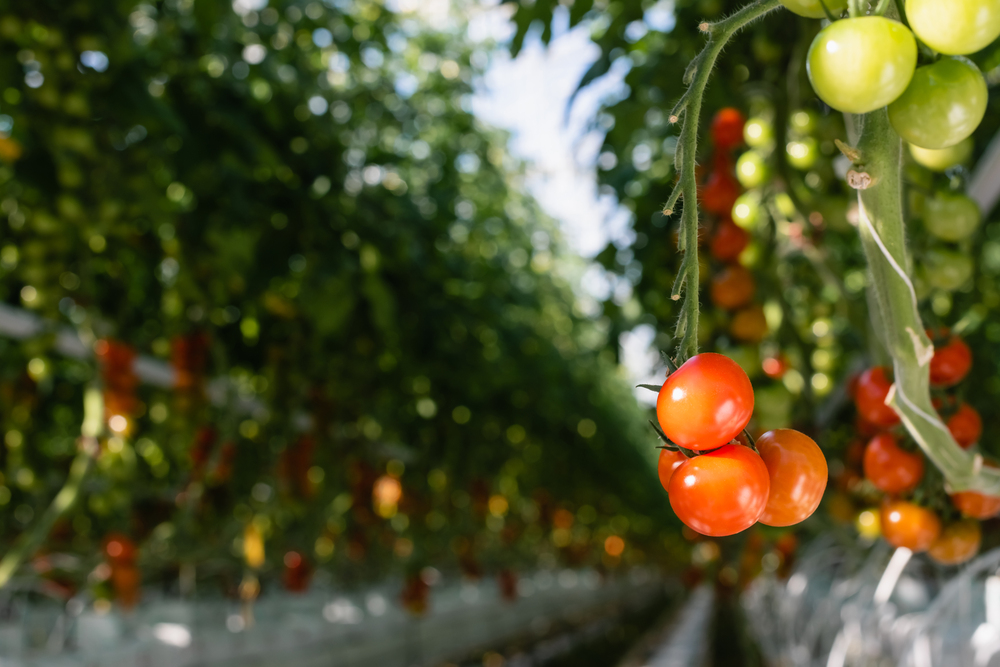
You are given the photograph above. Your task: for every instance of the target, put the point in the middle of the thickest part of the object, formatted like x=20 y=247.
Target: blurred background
x=351 y=298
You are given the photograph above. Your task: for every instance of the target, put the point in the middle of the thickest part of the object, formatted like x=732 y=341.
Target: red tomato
x=890 y=468
x=951 y=363
x=966 y=425
x=869 y=397
x=733 y=287
x=976 y=505
x=720 y=493
x=957 y=544
x=119 y=548
x=775 y=367
x=668 y=463
x=728 y=241
x=798 y=473
x=721 y=190
x=705 y=403
x=907 y=525
x=727 y=128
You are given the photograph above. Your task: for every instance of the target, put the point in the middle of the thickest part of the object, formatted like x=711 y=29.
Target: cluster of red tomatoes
x=897 y=471
x=720 y=482
x=864 y=63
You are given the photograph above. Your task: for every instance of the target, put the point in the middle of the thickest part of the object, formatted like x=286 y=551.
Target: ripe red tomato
x=728 y=241
x=119 y=548
x=890 y=468
x=908 y=525
x=798 y=475
x=720 y=493
x=869 y=397
x=951 y=363
x=733 y=287
x=966 y=425
x=705 y=403
x=957 y=544
x=667 y=464
x=775 y=367
x=727 y=128
x=976 y=505
x=720 y=192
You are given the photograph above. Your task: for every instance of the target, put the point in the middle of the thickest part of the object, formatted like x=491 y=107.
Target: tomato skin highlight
x=890 y=468
x=720 y=493
x=861 y=64
x=908 y=525
x=955 y=27
x=966 y=426
x=798 y=473
x=957 y=544
x=869 y=397
x=666 y=465
x=943 y=105
x=705 y=403
x=813 y=9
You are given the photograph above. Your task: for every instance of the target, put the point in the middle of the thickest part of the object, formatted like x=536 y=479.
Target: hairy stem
x=719 y=35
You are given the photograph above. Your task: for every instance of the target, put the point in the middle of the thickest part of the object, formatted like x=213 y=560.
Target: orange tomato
x=966 y=425
x=667 y=464
x=958 y=543
x=733 y=287
x=798 y=473
x=905 y=524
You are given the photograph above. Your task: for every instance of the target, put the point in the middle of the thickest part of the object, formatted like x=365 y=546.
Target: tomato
x=951 y=216
x=891 y=469
x=758 y=132
x=720 y=493
x=749 y=324
x=802 y=122
x=976 y=505
x=813 y=9
x=705 y=403
x=667 y=464
x=861 y=64
x=728 y=241
x=751 y=170
x=944 y=104
x=798 y=475
x=957 y=543
x=869 y=397
x=119 y=548
x=802 y=153
x=907 y=525
x=721 y=190
x=947 y=269
x=966 y=426
x=733 y=287
x=945 y=158
x=951 y=362
x=955 y=27
x=775 y=367
x=727 y=128
x=746 y=209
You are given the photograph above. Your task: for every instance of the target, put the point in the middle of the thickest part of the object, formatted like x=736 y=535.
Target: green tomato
x=802 y=122
x=813 y=9
x=802 y=154
x=951 y=216
x=947 y=269
x=954 y=27
x=746 y=209
x=751 y=170
x=944 y=104
x=758 y=132
x=861 y=64
x=943 y=159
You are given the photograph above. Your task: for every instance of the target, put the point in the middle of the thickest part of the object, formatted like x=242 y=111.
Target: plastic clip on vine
x=877 y=177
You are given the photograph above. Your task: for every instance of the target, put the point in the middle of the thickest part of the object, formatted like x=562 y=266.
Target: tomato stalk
x=689 y=107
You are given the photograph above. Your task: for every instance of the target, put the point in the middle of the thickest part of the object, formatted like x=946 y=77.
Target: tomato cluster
x=729 y=484
x=863 y=63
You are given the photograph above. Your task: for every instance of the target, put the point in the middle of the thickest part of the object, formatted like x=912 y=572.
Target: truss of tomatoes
x=719 y=481
x=897 y=472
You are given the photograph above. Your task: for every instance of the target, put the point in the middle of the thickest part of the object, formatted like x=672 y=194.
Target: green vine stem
x=689 y=106
x=29 y=541
x=877 y=176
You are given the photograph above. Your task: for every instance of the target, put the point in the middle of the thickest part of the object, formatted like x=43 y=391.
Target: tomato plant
x=906 y=524
x=944 y=103
x=890 y=468
x=813 y=9
x=869 y=397
x=958 y=543
x=720 y=493
x=955 y=27
x=705 y=403
x=733 y=287
x=951 y=362
x=860 y=64
x=798 y=474
x=668 y=462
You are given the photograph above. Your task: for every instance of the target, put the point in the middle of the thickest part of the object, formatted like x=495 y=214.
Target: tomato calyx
x=744 y=439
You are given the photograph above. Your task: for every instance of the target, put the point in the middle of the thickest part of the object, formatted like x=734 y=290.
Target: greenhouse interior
x=499 y=333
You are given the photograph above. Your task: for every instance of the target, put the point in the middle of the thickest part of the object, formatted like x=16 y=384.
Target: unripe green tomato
x=861 y=64
x=944 y=104
x=813 y=9
x=758 y=132
x=751 y=170
x=951 y=216
x=802 y=122
x=942 y=159
x=954 y=27
x=802 y=154
x=947 y=269
x=746 y=209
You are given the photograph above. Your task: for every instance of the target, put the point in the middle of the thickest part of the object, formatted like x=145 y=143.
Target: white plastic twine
x=885 y=251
